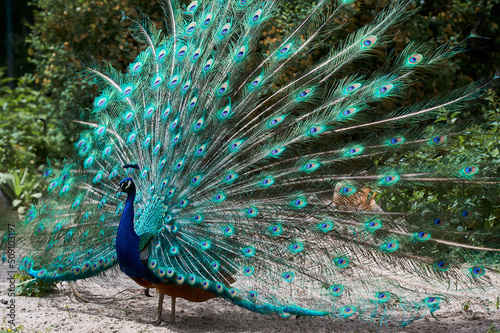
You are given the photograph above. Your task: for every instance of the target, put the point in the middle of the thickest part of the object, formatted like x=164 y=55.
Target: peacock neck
x=127 y=244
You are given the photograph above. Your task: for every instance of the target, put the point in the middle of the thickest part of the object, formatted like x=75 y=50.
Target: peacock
x=202 y=173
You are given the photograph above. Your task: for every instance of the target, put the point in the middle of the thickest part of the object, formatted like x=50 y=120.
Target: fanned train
x=203 y=174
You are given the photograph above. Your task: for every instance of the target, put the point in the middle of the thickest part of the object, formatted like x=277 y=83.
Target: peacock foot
x=157 y=322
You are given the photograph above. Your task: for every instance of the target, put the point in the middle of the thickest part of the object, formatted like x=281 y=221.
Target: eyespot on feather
x=438 y=139
x=192 y=6
x=191 y=28
x=414 y=59
x=369 y=41
x=385 y=88
x=442 y=265
x=224 y=31
x=352 y=87
x=207 y=19
x=397 y=140
x=182 y=51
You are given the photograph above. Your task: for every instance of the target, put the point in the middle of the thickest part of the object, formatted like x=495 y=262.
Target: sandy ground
x=124 y=308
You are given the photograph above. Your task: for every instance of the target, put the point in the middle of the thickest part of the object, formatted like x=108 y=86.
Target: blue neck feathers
x=127 y=244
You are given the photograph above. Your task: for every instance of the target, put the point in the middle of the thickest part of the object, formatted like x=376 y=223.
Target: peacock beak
x=118 y=189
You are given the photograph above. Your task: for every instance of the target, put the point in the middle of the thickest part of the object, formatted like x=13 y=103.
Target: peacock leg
x=77 y=294
x=146 y=292
x=172 y=311
x=160 y=308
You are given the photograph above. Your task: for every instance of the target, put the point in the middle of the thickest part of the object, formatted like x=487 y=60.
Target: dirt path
x=124 y=308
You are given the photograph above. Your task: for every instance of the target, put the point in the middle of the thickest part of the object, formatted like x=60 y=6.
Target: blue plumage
x=127 y=241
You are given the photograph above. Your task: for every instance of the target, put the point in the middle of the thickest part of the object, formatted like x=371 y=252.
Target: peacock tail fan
x=232 y=167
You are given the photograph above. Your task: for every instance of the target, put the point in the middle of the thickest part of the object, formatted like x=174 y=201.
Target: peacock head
x=126 y=185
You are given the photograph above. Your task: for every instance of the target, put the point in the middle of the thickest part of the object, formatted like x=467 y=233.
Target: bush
x=476 y=145
x=27 y=135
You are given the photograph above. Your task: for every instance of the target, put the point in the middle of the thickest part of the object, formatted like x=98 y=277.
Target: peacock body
x=225 y=173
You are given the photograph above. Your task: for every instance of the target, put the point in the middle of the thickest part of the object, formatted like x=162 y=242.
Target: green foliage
x=478 y=145
x=25 y=138
x=434 y=23
x=18 y=329
x=65 y=34
x=30 y=287
x=466 y=306
x=21 y=188
x=492 y=329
